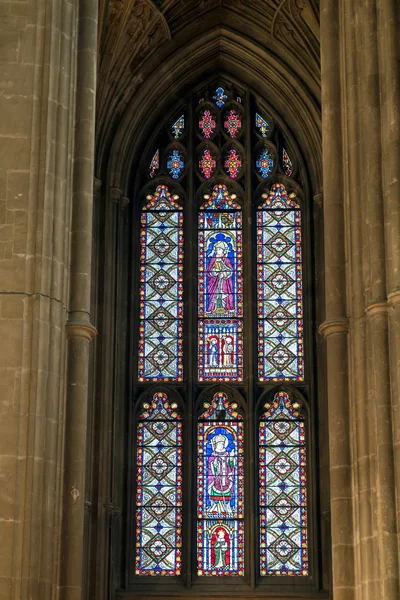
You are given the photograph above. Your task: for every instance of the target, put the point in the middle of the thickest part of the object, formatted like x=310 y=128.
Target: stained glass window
x=220 y=489
x=175 y=164
x=286 y=163
x=282 y=489
x=279 y=282
x=220 y=288
x=264 y=164
x=178 y=127
x=262 y=125
x=226 y=158
x=159 y=488
x=207 y=124
x=232 y=123
x=154 y=164
x=220 y=97
x=233 y=164
x=161 y=293
x=207 y=164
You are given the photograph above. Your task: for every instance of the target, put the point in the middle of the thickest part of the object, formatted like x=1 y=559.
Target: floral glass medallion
x=175 y=164
x=232 y=124
x=233 y=164
x=264 y=163
x=220 y=97
x=207 y=124
x=207 y=164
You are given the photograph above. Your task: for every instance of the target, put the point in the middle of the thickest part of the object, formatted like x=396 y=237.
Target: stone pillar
x=360 y=102
x=335 y=326
x=80 y=331
x=37 y=80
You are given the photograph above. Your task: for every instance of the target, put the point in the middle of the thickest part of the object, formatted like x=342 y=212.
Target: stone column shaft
x=365 y=565
x=335 y=326
x=79 y=328
x=377 y=366
x=388 y=19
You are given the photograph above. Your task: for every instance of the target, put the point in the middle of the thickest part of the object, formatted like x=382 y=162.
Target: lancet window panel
x=220 y=301
x=283 y=489
x=159 y=488
x=220 y=489
x=279 y=288
x=161 y=289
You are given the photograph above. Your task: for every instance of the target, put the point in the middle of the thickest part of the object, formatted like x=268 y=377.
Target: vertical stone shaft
x=378 y=398
x=37 y=57
x=79 y=329
x=366 y=568
x=388 y=17
x=335 y=326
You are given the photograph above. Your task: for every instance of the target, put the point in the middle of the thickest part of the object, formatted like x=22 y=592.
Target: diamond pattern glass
x=279 y=288
x=161 y=292
x=282 y=489
x=159 y=489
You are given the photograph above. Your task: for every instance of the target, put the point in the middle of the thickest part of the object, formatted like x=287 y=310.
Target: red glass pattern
x=232 y=124
x=287 y=163
x=207 y=124
x=233 y=164
x=207 y=164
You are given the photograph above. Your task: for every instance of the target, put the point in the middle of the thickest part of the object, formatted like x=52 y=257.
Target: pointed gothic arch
x=291 y=107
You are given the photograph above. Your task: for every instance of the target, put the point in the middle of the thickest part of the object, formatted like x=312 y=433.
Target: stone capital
x=96 y=185
x=394 y=298
x=334 y=325
x=318 y=199
x=376 y=309
x=115 y=194
x=81 y=329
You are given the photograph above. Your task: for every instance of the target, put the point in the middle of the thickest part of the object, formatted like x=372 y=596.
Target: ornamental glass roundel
x=207 y=164
x=233 y=164
x=207 y=124
x=264 y=163
x=232 y=124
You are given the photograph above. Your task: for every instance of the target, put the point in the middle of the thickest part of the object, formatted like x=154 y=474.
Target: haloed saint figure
x=220 y=281
x=221 y=468
x=220 y=476
x=221 y=550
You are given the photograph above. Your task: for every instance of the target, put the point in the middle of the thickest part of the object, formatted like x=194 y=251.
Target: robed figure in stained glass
x=220 y=280
x=221 y=472
x=220 y=549
x=220 y=529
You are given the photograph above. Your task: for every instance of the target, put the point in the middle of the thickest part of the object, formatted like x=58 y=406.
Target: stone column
x=335 y=327
x=80 y=331
x=366 y=80
x=388 y=18
x=37 y=62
